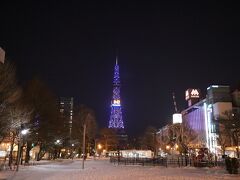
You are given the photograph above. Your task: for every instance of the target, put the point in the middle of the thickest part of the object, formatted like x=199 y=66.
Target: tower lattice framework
x=116 y=120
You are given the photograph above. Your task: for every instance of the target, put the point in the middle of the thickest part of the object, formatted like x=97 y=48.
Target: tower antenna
x=175 y=103
x=117 y=56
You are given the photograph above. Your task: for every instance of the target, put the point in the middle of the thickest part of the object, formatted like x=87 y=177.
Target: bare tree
x=165 y=137
x=8 y=87
x=184 y=136
x=9 y=94
x=180 y=134
x=44 y=121
x=148 y=141
x=229 y=128
x=17 y=116
x=224 y=138
x=84 y=115
x=109 y=139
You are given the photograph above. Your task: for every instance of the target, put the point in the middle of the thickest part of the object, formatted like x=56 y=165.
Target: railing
x=166 y=162
x=138 y=161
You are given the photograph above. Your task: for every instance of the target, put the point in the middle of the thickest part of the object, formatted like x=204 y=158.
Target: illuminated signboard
x=116 y=103
x=177 y=118
x=186 y=95
x=192 y=93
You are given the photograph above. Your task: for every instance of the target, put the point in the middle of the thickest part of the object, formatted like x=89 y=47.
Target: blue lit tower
x=116 y=120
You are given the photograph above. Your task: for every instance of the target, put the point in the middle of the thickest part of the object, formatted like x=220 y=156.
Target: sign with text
x=192 y=94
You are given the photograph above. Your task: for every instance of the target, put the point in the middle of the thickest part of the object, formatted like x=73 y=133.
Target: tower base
x=122 y=138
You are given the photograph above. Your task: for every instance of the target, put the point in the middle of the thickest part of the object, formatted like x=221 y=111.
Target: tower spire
x=116 y=56
x=116 y=59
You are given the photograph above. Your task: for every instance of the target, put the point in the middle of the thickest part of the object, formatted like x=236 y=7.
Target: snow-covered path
x=103 y=170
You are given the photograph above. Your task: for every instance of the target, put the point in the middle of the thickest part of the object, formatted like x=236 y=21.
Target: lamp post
x=22 y=132
x=83 y=147
x=57 y=152
x=155 y=144
x=168 y=148
x=95 y=148
x=99 y=147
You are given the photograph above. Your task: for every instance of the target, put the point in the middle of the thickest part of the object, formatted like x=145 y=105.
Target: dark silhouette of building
x=66 y=110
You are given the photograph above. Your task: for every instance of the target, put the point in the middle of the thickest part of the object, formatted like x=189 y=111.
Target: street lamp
x=176 y=147
x=83 y=150
x=99 y=146
x=84 y=138
x=23 y=132
x=57 y=141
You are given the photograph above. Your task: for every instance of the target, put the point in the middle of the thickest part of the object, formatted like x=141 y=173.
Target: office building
x=66 y=110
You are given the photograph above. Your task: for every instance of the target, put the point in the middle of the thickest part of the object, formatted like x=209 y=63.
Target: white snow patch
x=103 y=170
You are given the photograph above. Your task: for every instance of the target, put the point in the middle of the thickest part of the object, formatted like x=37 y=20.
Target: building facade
x=203 y=115
x=66 y=110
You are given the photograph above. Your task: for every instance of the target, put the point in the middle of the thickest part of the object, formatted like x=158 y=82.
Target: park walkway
x=103 y=170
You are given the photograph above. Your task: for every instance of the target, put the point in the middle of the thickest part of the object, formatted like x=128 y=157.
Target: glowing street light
x=24 y=131
x=99 y=146
x=167 y=147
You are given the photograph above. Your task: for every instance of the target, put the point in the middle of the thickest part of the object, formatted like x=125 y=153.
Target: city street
x=102 y=169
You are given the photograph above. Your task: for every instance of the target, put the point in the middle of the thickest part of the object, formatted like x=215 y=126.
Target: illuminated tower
x=116 y=120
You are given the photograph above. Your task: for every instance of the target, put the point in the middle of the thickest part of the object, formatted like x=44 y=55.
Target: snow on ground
x=103 y=170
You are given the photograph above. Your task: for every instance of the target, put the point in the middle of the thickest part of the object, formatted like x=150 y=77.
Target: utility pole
x=83 y=147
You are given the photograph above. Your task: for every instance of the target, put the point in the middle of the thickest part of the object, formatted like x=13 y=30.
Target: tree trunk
x=106 y=144
x=41 y=155
x=55 y=154
x=27 y=156
x=235 y=139
x=38 y=155
x=11 y=152
x=237 y=149
x=79 y=150
x=21 y=154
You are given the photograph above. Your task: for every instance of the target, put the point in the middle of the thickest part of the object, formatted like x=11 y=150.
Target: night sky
x=162 y=47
